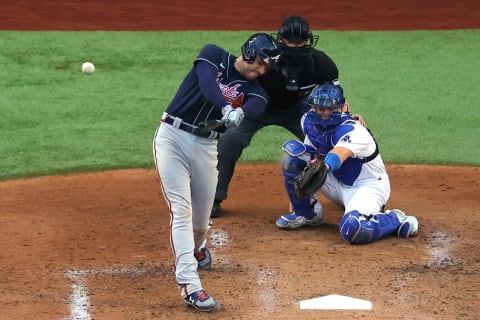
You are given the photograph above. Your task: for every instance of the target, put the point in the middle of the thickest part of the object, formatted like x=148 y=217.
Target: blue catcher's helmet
x=327 y=96
x=263 y=45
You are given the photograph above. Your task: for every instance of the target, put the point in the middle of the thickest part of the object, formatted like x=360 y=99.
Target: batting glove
x=232 y=116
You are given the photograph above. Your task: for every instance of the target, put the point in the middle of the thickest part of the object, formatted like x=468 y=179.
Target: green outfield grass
x=418 y=91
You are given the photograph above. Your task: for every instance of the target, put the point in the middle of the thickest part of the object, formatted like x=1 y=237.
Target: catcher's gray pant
x=235 y=139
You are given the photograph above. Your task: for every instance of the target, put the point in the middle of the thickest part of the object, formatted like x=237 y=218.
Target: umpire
x=301 y=69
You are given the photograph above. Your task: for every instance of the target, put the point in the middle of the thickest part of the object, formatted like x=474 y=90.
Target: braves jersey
x=365 y=163
x=193 y=107
x=321 y=70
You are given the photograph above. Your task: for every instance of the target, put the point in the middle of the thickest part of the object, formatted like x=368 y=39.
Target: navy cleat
x=200 y=300
x=204 y=259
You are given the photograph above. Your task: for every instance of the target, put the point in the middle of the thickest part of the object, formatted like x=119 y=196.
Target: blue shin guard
x=291 y=167
x=357 y=228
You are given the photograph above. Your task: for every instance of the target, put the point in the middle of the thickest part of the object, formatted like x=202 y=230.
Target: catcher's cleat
x=204 y=259
x=408 y=224
x=200 y=300
x=292 y=221
x=215 y=209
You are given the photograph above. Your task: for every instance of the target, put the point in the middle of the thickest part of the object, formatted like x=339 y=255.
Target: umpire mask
x=293 y=61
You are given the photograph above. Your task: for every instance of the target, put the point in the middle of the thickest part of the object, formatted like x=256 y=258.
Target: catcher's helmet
x=328 y=96
x=263 y=45
x=295 y=29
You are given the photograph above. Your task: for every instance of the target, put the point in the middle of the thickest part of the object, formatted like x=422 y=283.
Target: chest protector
x=325 y=140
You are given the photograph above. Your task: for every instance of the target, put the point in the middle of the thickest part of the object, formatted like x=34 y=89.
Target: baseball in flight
x=88 y=68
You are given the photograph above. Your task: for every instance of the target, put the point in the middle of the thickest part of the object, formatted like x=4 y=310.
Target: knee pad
x=295 y=157
x=292 y=166
x=357 y=228
x=296 y=148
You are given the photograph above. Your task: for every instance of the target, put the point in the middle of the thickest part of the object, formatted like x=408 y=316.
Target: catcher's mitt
x=311 y=179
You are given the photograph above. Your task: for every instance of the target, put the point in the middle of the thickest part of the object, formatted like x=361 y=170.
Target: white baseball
x=88 y=68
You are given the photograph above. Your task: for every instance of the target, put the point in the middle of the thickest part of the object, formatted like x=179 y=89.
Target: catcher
x=340 y=158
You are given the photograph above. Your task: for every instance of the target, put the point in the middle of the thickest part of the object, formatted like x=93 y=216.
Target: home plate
x=336 y=302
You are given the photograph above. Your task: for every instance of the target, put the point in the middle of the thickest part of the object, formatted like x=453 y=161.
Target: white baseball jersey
x=362 y=182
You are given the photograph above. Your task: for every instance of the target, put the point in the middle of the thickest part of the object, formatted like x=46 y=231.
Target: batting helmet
x=295 y=29
x=260 y=44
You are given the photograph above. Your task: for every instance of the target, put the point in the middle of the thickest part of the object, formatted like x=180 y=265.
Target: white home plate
x=336 y=302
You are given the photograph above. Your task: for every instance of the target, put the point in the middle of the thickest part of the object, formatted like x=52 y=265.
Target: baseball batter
x=219 y=86
x=356 y=179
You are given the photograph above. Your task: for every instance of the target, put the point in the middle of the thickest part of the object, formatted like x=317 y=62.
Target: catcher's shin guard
x=357 y=228
x=291 y=167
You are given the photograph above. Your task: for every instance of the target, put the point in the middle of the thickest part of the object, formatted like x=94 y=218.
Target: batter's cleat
x=200 y=300
x=408 y=224
x=204 y=259
x=215 y=209
x=292 y=221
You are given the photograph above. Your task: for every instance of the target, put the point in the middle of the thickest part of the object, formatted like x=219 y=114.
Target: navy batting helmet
x=295 y=29
x=260 y=44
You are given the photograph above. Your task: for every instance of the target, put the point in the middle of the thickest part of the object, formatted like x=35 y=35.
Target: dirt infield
x=96 y=245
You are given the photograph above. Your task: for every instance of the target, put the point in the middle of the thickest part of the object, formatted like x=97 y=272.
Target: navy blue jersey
x=190 y=103
x=321 y=70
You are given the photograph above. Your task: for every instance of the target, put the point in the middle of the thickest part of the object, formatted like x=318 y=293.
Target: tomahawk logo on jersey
x=232 y=95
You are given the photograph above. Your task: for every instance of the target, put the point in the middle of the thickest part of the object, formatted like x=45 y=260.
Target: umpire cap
x=296 y=29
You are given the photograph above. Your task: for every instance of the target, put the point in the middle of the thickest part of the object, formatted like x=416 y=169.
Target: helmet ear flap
x=247 y=53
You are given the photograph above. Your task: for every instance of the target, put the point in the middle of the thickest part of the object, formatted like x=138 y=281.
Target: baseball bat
x=209 y=125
